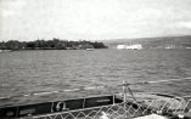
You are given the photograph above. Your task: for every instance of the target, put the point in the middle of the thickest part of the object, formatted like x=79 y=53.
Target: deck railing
x=128 y=109
x=124 y=110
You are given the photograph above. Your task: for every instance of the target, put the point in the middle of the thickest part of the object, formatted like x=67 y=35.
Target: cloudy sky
x=93 y=19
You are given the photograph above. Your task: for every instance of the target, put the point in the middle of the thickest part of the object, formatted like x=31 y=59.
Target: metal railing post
x=124 y=92
x=113 y=99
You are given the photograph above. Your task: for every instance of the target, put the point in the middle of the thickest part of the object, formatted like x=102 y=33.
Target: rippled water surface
x=24 y=72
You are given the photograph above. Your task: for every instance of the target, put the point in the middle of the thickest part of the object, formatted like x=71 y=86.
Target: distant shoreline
x=54 y=44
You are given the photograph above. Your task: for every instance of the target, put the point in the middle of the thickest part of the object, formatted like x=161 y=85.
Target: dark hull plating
x=58 y=106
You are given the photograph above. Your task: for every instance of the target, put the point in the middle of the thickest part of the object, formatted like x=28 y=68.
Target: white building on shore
x=130 y=47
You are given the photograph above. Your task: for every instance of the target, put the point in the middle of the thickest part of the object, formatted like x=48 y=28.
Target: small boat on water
x=1 y=51
x=124 y=105
x=89 y=49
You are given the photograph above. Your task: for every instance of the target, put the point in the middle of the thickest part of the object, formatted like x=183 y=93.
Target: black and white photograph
x=95 y=59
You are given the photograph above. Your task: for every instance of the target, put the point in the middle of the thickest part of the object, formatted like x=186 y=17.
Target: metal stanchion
x=124 y=92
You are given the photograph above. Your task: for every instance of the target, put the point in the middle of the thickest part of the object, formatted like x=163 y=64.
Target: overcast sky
x=93 y=19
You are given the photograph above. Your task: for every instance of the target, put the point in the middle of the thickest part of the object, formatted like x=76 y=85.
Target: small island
x=54 y=44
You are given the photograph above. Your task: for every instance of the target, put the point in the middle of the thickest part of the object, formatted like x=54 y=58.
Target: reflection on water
x=33 y=71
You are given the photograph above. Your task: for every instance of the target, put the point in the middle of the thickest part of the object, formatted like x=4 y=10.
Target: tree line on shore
x=54 y=44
